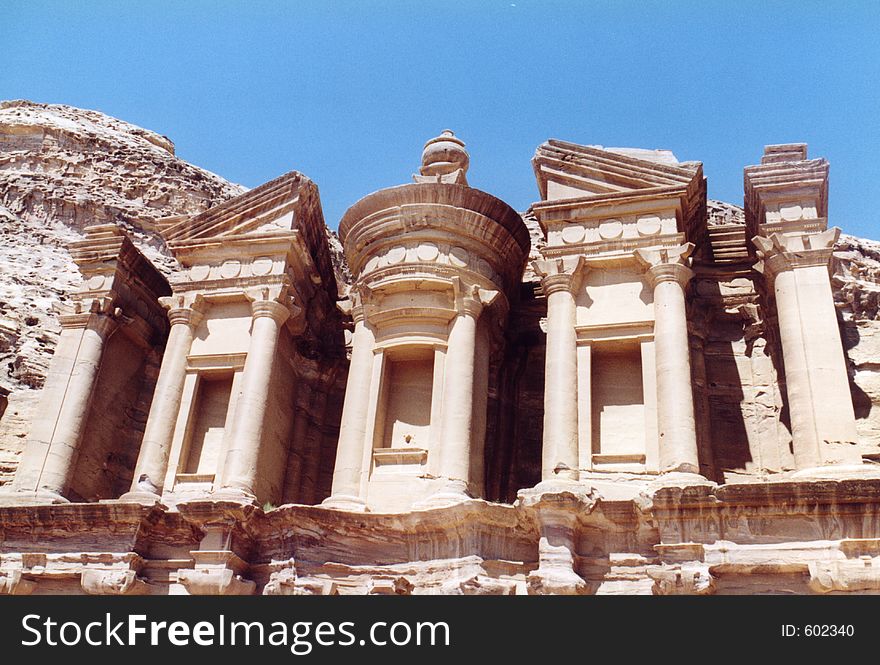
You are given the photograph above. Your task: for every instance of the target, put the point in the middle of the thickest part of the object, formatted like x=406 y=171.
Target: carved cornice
x=784 y=175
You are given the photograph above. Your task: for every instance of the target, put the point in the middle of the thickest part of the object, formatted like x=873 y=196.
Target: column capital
x=184 y=308
x=270 y=308
x=666 y=264
x=779 y=252
x=471 y=299
x=101 y=323
x=669 y=272
x=276 y=302
x=560 y=274
x=184 y=315
x=354 y=304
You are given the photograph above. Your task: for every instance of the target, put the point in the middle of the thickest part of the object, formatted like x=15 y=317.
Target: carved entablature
x=786 y=192
x=606 y=203
x=270 y=239
x=426 y=258
x=119 y=284
x=431 y=229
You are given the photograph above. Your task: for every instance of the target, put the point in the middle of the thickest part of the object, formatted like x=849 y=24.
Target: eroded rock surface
x=62 y=169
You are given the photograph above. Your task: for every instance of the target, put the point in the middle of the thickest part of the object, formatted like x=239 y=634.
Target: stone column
x=819 y=399
x=49 y=461
x=668 y=276
x=152 y=463
x=458 y=396
x=559 y=458
x=457 y=410
x=241 y=467
x=349 y=471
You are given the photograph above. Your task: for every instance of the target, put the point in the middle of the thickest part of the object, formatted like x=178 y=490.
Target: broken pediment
x=282 y=208
x=277 y=205
x=567 y=170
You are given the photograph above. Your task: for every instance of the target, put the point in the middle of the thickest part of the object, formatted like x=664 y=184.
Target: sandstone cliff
x=62 y=169
x=856 y=282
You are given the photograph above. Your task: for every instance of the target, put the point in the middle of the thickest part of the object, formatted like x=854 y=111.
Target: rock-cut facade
x=628 y=389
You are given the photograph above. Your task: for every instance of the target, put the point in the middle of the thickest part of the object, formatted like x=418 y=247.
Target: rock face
x=856 y=281
x=61 y=169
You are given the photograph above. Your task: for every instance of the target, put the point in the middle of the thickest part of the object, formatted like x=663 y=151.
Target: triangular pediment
x=271 y=207
x=568 y=170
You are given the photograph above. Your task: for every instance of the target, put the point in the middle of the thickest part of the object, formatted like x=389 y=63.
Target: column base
x=452 y=492
x=557 y=485
x=143 y=498
x=41 y=497
x=346 y=503
x=234 y=494
x=679 y=479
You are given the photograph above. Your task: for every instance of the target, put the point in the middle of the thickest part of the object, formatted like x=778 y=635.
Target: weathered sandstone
x=629 y=388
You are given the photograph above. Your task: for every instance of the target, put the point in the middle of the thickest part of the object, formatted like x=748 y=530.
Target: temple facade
x=617 y=391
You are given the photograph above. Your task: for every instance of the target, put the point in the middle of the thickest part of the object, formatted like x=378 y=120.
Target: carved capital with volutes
x=666 y=264
x=356 y=302
x=560 y=274
x=471 y=299
x=184 y=309
x=779 y=252
x=277 y=303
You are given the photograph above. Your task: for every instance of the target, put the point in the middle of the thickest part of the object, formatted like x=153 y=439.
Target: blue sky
x=348 y=92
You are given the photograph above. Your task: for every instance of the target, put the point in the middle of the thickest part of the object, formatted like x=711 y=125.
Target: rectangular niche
x=403 y=423
x=408 y=385
x=618 y=404
x=205 y=435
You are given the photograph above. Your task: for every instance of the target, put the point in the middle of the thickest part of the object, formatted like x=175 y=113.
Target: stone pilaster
x=49 y=460
x=560 y=279
x=822 y=417
x=668 y=275
x=152 y=461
